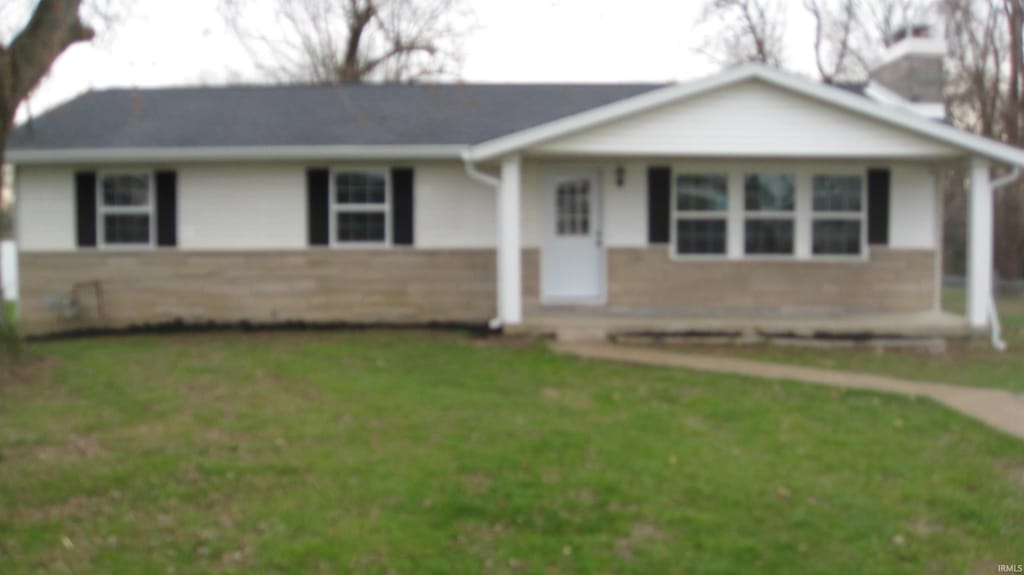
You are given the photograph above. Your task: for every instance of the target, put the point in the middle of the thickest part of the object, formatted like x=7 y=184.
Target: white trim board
x=234 y=153
x=881 y=94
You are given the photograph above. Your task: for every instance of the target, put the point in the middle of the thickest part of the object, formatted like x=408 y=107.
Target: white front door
x=572 y=263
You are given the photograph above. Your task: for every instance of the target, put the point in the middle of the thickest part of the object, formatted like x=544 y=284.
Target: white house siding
x=749 y=120
x=912 y=221
x=625 y=207
x=45 y=209
x=534 y=175
x=453 y=211
x=260 y=207
x=229 y=207
x=239 y=207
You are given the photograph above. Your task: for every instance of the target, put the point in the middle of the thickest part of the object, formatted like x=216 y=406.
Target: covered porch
x=749 y=202
x=623 y=310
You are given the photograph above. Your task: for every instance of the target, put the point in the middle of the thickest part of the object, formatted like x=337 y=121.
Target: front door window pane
x=572 y=208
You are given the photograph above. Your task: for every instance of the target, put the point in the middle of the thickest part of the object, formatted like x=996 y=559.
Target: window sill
x=126 y=248
x=360 y=246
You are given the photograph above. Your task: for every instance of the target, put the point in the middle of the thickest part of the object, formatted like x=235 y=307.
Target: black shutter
x=659 y=188
x=878 y=207
x=402 y=206
x=317 y=192
x=85 y=208
x=166 y=209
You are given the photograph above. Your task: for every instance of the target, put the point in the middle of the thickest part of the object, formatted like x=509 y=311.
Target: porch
x=888 y=292
x=589 y=323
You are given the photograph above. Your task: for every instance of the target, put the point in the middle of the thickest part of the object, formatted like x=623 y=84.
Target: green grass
x=10 y=343
x=975 y=365
x=389 y=452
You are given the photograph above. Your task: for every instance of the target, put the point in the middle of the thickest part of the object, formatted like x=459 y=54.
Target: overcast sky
x=185 y=42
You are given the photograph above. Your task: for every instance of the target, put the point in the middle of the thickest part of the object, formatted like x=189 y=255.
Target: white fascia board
x=227 y=153
x=883 y=95
x=906 y=120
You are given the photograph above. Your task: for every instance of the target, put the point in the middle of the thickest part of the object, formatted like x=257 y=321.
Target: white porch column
x=979 y=245
x=510 y=279
x=8 y=271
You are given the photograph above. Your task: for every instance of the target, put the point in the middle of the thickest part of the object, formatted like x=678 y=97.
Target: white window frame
x=781 y=215
x=861 y=216
x=103 y=210
x=334 y=208
x=803 y=172
x=678 y=214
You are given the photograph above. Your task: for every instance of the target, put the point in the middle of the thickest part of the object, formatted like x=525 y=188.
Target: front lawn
x=976 y=364
x=405 y=452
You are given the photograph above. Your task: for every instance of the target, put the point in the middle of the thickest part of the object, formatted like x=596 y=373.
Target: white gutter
x=993 y=311
x=480 y=176
x=232 y=153
x=488 y=180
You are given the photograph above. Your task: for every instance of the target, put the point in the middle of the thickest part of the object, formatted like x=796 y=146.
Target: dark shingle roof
x=852 y=87
x=359 y=115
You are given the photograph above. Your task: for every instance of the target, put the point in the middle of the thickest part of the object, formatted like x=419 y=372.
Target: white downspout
x=993 y=311
x=488 y=180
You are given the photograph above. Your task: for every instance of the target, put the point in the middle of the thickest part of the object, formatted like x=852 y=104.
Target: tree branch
x=54 y=26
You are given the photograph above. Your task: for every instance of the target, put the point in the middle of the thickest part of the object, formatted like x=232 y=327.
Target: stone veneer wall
x=421 y=286
x=890 y=281
x=376 y=286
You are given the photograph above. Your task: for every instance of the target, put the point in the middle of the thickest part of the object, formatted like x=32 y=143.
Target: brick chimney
x=913 y=65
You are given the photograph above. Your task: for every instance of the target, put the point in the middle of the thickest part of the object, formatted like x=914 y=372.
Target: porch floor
x=577 y=322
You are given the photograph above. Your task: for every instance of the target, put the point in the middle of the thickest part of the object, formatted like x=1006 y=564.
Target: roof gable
x=966 y=142
x=751 y=118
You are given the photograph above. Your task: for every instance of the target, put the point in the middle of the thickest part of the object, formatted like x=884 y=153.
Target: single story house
x=749 y=197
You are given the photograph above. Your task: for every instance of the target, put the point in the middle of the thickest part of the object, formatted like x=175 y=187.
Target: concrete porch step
x=923 y=331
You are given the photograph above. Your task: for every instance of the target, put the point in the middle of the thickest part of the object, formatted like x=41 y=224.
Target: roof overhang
x=232 y=154
x=971 y=144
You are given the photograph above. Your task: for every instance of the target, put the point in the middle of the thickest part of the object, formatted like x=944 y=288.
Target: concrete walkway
x=997 y=408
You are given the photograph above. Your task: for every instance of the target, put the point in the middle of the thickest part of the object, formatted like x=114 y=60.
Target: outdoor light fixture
x=620 y=176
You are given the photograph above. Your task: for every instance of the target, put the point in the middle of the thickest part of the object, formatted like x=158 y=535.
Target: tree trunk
x=53 y=27
x=359 y=19
x=1010 y=213
x=1014 y=112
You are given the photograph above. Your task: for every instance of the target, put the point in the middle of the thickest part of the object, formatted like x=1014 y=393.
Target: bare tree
x=1010 y=215
x=351 y=40
x=851 y=35
x=836 y=28
x=977 y=39
x=884 y=19
x=1015 y=109
x=984 y=96
x=26 y=58
x=744 y=31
